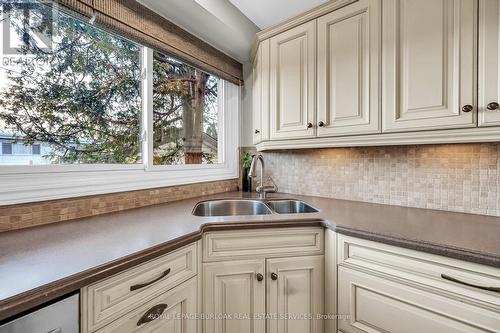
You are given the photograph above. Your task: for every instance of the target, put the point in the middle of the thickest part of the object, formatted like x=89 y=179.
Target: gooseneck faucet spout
x=261 y=188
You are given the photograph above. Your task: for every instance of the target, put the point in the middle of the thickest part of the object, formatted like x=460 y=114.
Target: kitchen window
x=95 y=101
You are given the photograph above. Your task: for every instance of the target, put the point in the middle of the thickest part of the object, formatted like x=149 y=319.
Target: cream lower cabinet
x=233 y=297
x=172 y=312
x=295 y=295
x=160 y=295
x=274 y=292
x=386 y=289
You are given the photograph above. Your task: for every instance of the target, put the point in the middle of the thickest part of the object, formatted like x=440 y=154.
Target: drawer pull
x=154 y=313
x=142 y=285
x=452 y=279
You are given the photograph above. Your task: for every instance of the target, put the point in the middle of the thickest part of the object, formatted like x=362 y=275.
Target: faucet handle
x=275 y=187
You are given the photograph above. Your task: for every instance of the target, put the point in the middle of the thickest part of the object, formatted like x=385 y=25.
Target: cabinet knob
x=321 y=124
x=309 y=125
x=467 y=108
x=274 y=276
x=260 y=277
x=493 y=106
x=257 y=131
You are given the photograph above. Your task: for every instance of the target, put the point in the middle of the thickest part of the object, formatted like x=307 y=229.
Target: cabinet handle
x=493 y=106
x=260 y=277
x=309 y=125
x=142 y=285
x=257 y=131
x=274 y=276
x=467 y=108
x=321 y=124
x=154 y=313
x=452 y=279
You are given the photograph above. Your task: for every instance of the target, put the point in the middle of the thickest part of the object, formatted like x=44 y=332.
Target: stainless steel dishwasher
x=60 y=317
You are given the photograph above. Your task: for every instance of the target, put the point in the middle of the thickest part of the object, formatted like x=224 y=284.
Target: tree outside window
x=82 y=96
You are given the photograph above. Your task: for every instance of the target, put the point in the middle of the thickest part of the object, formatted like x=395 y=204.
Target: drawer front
x=375 y=304
x=176 y=314
x=423 y=270
x=111 y=298
x=268 y=243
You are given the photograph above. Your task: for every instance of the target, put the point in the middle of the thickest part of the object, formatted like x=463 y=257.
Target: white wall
x=246 y=136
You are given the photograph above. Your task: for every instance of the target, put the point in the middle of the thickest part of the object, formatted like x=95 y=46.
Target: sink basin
x=231 y=208
x=291 y=207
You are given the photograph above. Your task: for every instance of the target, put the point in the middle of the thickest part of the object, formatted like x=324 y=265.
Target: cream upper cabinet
x=260 y=93
x=348 y=70
x=429 y=61
x=489 y=63
x=234 y=288
x=295 y=294
x=292 y=82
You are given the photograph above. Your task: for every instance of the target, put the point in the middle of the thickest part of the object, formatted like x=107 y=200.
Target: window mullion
x=147 y=107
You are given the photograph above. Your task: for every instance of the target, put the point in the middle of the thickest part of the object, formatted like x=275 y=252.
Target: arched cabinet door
x=429 y=64
x=489 y=63
x=349 y=70
x=293 y=82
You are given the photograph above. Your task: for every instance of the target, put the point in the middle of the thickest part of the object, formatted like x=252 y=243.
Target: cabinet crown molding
x=297 y=20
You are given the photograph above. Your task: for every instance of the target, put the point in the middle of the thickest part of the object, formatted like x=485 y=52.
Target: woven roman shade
x=138 y=23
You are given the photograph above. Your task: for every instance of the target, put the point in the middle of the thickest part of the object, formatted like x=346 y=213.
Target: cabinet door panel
x=292 y=82
x=231 y=287
x=348 y=69
x=296 y=297
x=260 y=93
x=428 y=64
x=374 y=304
x=257 y=96
x=489 y=61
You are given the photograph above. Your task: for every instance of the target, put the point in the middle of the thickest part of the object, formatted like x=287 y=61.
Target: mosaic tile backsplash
x=458 y=177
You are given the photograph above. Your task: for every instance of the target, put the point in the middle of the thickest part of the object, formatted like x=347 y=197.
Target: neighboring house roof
x=209 y=141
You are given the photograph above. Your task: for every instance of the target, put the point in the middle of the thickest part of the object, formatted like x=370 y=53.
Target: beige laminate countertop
x=42 y=263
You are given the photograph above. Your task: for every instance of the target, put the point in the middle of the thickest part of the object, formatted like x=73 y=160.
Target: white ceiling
x=266 y=13
x=217 y=22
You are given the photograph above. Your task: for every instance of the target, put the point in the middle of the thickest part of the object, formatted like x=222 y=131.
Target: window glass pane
x=69 y=86
x=20 y=149
x=6 y=148
x=35 y=149
x=185 y=113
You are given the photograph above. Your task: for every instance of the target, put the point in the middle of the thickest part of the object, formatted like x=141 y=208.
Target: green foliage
x=84 y=97
x=247 y=160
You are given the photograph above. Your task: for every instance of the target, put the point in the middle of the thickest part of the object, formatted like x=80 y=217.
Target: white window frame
x=22 y=184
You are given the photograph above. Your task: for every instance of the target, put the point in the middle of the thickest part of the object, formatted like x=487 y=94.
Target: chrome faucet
x=261 y=189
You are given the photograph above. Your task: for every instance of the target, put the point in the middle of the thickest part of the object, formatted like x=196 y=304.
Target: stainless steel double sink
x=235 y=207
